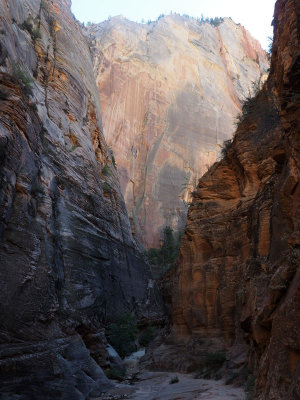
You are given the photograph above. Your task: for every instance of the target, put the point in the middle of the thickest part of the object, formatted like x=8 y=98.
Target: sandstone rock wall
x=68 y=261
x=238 y=277
x=170 y=91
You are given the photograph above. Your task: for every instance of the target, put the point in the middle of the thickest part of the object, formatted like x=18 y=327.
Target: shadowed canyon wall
x=238 y=276
x=68 y=261
x=170 y=91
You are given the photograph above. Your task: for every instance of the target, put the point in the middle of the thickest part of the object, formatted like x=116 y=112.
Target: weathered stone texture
x=238 y=277
x=68 y=261
x=169 y=93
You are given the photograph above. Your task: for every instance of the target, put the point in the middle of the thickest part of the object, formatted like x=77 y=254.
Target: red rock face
x=238 y=277
x=169 y=94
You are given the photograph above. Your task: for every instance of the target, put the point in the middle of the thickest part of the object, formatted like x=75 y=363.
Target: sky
x=255 y=15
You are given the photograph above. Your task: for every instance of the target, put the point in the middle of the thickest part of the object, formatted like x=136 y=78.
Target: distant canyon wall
x=170 y=91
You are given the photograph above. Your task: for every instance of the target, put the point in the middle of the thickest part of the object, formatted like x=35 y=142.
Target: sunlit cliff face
x=170 y=92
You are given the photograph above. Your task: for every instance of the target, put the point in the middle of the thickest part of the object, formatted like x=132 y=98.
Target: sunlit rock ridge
x=170 y=91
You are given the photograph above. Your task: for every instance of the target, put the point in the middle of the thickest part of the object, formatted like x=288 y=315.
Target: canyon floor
x=156 y=386
x=142 y=384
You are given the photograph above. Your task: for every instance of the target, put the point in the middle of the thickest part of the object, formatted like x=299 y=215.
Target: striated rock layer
x=238 y=277
x=68 y=261
x=169 y=94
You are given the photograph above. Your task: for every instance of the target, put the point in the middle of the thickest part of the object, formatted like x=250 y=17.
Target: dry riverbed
x=157 y=386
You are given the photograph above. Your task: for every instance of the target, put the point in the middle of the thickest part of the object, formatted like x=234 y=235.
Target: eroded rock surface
x=170 y=91
x=238 y=277
x=68 y=261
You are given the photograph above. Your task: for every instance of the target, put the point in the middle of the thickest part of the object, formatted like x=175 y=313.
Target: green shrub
x=123 y=333
x=33 y=107
x=36 y=34
x=27 y=26
x=247 y=108
x=116 y=374
x=147 y=335
x=212 y=21
x=114 y=161
x=23 y=77
x=44 y=5
x=270 y=45
x=106 y=170
x=154 y=256
x=167 y=254
x=225 y=147
x=85 y=120
x=74 y=147
x=174 y=380
x=169 y=249
x=106 y=187
x=249 y=103
x=216 y=21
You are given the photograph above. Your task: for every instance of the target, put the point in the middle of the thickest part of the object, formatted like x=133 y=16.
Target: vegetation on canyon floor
x=174 y=380
x=124 y=334
x=147 y=335
x=165 y=257
x=116 y=374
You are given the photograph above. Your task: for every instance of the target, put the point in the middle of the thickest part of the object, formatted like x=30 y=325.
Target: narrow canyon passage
x=214 y=309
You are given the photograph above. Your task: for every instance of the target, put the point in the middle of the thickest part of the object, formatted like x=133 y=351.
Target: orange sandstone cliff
x=238 y=277
x=169 y=93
